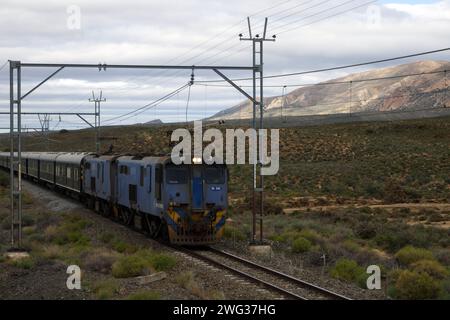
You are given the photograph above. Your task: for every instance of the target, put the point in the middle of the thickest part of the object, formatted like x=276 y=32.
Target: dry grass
x=187 y=280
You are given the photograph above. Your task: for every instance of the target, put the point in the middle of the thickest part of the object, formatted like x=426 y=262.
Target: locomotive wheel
x=127 y=217
x=152 y=226
x=106 y=210
x=164 y=231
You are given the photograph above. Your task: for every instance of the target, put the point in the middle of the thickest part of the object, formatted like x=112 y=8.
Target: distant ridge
x=402 y=93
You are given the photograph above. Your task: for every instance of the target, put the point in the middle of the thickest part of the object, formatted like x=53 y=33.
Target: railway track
x=286 y=286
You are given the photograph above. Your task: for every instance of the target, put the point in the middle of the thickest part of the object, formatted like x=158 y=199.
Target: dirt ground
x=46 y=279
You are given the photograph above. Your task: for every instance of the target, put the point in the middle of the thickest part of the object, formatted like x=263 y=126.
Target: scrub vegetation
x=358 y=194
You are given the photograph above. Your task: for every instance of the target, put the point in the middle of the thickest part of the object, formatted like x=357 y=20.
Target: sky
x=310 y=34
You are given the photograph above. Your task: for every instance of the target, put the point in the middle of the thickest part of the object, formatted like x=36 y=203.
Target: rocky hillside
x=360 y=92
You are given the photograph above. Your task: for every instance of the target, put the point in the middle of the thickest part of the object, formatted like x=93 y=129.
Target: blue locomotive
x=185 y=204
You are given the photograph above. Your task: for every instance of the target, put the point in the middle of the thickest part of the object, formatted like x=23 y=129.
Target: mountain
x=152 y=122
x=359 y=92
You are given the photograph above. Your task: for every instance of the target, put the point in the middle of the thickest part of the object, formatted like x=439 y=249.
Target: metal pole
x=97 y=102
x=11 y=147
x=255 y=156
x=19 y=157
x=261 y=125
x=97 y=145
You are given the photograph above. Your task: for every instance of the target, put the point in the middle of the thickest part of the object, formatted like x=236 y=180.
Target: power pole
x=15 y=98
x=258 y=181
x=45 y=125
x=97 y=102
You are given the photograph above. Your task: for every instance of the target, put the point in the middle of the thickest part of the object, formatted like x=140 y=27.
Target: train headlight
x=196 y=160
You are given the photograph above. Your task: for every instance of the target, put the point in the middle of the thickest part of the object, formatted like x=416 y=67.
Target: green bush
x=130 y=266
x=410 y=254
x=122 y=246
x=162 y=262
x=24 y=263
x=106 y=289
x=301 y=245
x=310 y=235
x=430 y=267
x=414 y=285
x=142 y=262
x=348 y=270
x=106 y=237
x=233 y=233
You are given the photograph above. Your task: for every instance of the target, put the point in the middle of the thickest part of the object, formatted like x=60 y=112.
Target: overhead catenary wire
x=359 y=64
x=313 y=14
x=147 y=106
x=328 y=17
x=326 y=83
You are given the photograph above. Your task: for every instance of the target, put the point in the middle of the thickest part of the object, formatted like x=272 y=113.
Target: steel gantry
x=15 y=113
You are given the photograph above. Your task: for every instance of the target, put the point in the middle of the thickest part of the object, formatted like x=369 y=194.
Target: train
x=183 y=204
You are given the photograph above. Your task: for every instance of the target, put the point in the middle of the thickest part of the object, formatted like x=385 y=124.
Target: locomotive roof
x=146 y=160
x=72 y=157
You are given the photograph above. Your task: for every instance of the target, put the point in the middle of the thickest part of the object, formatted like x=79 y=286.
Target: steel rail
x=239 y=273
x=280 y=274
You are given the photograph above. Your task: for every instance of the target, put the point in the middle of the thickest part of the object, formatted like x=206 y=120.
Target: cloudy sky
x=310 y=34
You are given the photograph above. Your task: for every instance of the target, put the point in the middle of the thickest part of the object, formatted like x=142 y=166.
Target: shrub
x=106 y=237
x=351 y=246
x=130 y=266
x=52 y=251
x=122 y=246
x=145 y=295
x=23 y=263
x=410 y=254
x=301 y=245
x=232 y=233
x=430 y=267
x=106 y=289
x=140 y=263
x=162 y=262
x=310 y=235
x=348 y=270
x=413 y=285
x=99 y=260
x=366 y=230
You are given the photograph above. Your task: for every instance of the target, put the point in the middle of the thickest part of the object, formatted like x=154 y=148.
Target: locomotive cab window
x=214 y=175
x=123 y=169
x=158 y=182
x=176 y=175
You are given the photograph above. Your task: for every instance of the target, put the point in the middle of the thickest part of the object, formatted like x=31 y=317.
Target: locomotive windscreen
x=176 y=175
x=214 y=175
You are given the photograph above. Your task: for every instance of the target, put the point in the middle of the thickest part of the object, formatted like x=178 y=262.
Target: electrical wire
x=335 y=68
x=332 y=82
x=147 y=106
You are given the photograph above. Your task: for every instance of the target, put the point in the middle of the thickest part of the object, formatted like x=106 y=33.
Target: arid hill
x=360 y=92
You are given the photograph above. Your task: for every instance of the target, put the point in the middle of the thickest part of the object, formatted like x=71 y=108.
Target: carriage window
x=141 y=177
x=123 y=169
x=176 y=175
x=158 y=182
x=98 y=170
x=103 y=172
x=149 y=178
x=214 y=175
